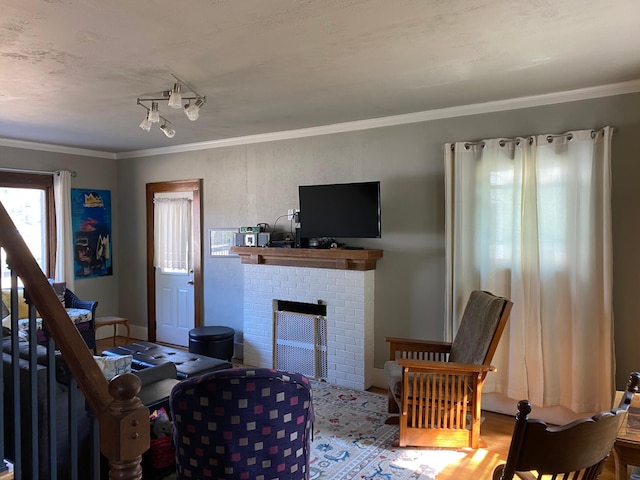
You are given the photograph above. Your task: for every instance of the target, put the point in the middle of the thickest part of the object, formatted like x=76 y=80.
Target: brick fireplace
x=349 y=298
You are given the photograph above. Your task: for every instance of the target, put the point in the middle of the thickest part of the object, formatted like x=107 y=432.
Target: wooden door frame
x=195 y=187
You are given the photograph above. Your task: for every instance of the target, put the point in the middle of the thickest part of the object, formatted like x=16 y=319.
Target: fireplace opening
x=300 y=338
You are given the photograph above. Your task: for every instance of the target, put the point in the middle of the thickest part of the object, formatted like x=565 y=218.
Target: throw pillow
x=114 y=365
x=60 y=288
x=23 y=308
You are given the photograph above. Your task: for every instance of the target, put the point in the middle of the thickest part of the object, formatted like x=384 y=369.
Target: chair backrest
x=243 y=423
x=577 y=449
x=483 y=321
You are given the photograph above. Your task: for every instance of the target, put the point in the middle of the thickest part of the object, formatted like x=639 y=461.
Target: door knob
x=190 y=282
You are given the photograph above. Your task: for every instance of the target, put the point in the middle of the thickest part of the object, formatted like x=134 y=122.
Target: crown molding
x=48 y=147
x=588 y=93
x=425 y=116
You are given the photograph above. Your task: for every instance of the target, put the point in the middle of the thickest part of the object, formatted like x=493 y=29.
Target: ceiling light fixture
x=179 y=93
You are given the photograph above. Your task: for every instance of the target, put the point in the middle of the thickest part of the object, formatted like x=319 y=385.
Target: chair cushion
x=479 y=321
x=393 y=372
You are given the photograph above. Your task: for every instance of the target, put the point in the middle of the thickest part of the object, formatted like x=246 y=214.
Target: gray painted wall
x=244 y=185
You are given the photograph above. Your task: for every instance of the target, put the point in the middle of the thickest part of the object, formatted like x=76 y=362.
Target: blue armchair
x=242 y=424
x=86 y=329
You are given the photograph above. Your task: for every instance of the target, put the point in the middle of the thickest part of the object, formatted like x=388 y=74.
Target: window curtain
x=530 y=219
x=64 y=268
x=172 y=233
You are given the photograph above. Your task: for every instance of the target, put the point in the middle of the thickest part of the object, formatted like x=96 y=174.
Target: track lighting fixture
x=174 y=98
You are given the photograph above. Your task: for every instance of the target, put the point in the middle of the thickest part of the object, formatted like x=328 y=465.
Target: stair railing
x=123 y=419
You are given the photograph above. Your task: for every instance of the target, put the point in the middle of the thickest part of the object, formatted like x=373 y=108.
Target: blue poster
x=91 y=222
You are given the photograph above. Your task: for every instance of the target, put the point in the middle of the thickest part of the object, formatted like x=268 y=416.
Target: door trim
x=194 y=186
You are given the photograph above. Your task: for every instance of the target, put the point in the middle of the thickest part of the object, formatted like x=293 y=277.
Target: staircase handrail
x=123 y=419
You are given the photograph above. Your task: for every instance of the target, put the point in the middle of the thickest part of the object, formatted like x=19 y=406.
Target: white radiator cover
x=300 y=343
x=349 y=297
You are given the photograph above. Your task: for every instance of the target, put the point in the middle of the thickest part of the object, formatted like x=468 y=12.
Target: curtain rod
x=550 y=138
x=39 y=172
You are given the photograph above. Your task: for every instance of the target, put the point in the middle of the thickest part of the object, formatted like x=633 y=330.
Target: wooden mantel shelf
x=335 y=258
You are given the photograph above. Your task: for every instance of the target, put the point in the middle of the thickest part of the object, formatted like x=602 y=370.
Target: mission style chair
x=576 y=450
x=436 y=387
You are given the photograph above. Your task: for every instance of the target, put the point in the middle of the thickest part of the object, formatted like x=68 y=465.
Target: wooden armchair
x=436 y=386
x=575 y=450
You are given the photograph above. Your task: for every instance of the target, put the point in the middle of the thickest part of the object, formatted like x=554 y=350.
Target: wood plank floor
x=495 y=440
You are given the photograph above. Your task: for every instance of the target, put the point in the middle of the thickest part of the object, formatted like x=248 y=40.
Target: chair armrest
x=454 y=368
x=71 y=300
x=424 y=349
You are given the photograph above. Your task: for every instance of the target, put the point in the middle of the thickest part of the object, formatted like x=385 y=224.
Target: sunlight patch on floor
x=437 y=460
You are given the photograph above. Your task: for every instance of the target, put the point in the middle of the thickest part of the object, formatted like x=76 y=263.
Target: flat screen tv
x=342 y=210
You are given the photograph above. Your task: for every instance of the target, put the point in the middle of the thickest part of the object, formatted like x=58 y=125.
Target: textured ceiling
x=71 y=70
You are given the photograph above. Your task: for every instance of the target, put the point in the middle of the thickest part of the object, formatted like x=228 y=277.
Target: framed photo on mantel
x=221 y=240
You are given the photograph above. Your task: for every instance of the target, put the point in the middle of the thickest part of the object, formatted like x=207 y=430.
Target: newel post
x=124 y=429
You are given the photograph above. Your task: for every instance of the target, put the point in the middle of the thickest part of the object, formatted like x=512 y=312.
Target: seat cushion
x=393 y=372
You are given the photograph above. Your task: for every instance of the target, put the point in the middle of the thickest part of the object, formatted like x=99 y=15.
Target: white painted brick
x=349 y=299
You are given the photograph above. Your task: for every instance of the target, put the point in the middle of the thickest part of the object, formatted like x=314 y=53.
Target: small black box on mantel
x=300 y=241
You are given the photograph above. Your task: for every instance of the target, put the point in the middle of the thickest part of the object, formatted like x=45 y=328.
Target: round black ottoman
x=212 y=341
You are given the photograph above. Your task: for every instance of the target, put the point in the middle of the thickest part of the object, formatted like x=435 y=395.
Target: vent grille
x=300 y=343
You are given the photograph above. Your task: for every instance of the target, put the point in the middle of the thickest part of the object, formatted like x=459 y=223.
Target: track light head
x=168 y=131
x=192 y=110
x=154 y=113
x=145 y=124
x=175 y=98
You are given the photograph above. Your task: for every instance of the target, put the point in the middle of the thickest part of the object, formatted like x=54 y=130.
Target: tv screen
x=344 y=210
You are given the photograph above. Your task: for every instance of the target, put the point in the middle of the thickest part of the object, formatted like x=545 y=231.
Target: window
x=28 y=198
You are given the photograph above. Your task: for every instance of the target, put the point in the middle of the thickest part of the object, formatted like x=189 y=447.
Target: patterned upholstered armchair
x=243 y=423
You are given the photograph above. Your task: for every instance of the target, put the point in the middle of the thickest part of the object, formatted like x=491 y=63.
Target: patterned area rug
x=351 y=440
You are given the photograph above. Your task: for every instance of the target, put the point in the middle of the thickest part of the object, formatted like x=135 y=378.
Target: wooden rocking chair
x=436 y=386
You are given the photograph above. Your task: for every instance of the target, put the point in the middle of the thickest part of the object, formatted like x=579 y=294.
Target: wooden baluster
x=124 y=429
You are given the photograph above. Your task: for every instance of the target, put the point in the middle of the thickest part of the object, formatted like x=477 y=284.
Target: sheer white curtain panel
x=172 y=233
x=64 y=268
x=530 y=219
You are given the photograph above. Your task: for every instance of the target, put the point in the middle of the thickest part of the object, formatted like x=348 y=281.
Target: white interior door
x=174 y=306
x=175 y=291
